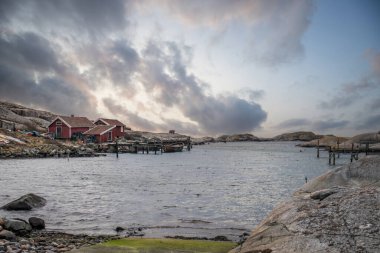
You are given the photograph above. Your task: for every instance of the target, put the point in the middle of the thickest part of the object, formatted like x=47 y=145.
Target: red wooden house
x=103 y=133
x=66 y=127
x=119 y=127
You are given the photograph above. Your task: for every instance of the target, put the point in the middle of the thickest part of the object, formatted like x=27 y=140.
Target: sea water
x=215 y=189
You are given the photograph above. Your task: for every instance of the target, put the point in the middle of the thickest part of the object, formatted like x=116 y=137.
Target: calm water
x=216 y=189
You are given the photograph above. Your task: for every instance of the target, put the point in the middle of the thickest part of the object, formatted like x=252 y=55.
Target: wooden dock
x=149 y=146
x=334 y=151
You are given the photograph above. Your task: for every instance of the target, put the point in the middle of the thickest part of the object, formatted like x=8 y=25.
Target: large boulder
x=336 y=212
x=18 y=226
x=26 y=202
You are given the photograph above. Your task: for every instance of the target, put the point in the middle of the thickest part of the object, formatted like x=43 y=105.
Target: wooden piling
x=117 y=149
x=333 y=158
x=318 y=148
x=330 y=155
x=337 y=143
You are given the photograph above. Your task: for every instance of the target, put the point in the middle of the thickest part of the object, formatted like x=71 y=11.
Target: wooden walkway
x=149 y=147
x=354 y=150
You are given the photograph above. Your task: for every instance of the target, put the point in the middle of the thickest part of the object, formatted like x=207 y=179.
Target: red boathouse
x=119 y=127
x=102 y=133
x=66 y=127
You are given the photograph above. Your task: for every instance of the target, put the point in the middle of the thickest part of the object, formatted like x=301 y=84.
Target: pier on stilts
x=354 y=150
x=151 y=146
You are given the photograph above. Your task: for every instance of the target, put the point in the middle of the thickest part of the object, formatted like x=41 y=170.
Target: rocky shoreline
x=50 y=242
x=336 y=212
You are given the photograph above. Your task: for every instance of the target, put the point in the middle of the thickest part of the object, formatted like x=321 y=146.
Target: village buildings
x=102 y=130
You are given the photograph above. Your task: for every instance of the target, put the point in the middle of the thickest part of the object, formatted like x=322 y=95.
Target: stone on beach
x=26 y=202
x=18 y=226
x=8 y=235
x=36 y=223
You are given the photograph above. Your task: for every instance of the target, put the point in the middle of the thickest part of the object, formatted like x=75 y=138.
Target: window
x=122 y=129
x=110 y=136
x=58 y=123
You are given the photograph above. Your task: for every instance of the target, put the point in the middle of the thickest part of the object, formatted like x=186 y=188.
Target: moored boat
x=173 y=148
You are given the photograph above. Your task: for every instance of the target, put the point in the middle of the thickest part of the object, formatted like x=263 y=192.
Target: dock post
x=330 y=155
x=147 y=149
x=143 y=149
x=333 y=158
x=117 y=149
x=352 y=151
x=366 y=148
x=318 y=148
x=338 y=147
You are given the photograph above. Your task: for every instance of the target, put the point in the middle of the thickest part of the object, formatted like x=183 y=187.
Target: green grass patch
x=147 y=245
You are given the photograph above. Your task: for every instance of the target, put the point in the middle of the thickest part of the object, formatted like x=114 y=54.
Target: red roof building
x=66 y=127
x=120 y=127
x=103 y=133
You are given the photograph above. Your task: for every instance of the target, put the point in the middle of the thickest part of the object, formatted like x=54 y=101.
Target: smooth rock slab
x=26 y=202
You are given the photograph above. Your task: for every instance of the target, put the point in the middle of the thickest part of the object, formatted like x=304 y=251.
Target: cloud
x=276 y=27
x=140 y=123
x=291 y=123
x=353 y=92
x=31 y=74
x=168 y=80
x=375 y=104
x=250 y=94
x=322 y=125
x=73 y=49
x=86 y=18
x=371 y=123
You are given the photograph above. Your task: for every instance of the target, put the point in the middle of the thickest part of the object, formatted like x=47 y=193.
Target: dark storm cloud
x=290 y=123
x=167 y=78
x=322 y=125
x=31 y=74
x=27 y=51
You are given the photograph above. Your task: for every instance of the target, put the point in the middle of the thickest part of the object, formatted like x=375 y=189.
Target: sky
x=201 y=67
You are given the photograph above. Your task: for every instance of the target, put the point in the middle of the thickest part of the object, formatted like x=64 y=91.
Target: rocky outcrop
x=324 y=141
x=202 y=140
x=20 y=117
x=336 y=212
x=296 y=136
x=26 y=202
x=237 y=137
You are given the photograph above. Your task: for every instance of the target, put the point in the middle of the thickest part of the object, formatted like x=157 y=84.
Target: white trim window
x=58 y=123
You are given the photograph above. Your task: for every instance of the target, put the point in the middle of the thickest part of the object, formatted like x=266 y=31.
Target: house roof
x=74 y=121
x=99 y=130
x=111 y=122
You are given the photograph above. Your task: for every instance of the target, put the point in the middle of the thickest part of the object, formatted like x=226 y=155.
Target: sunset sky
x=200 y=67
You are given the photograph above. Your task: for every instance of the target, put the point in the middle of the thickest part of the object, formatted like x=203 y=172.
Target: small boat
x=173 y=148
